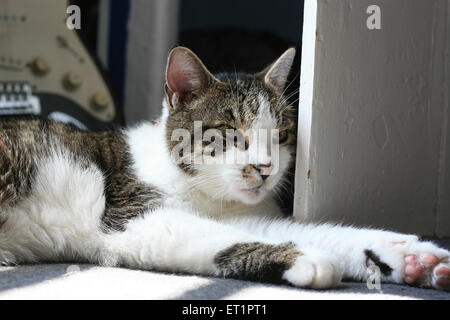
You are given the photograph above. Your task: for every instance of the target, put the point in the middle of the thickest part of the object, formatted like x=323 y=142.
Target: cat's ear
x=186 y=77
x=277 y=73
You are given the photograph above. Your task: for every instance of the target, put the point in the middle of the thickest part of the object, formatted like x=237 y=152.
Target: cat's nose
x=264 y=170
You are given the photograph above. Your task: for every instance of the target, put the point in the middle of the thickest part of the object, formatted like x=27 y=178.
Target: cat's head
x=233 y=134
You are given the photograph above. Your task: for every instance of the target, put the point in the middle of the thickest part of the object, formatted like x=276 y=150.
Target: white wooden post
x=373 y=145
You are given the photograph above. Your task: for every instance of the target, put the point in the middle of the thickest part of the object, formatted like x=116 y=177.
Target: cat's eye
x=240 y=141
x=283 y=137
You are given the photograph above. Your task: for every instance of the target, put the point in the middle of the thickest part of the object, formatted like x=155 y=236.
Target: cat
x=126 y=198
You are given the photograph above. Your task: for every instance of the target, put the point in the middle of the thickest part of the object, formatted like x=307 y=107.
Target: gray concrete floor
x=69 y=281
x=65 y=281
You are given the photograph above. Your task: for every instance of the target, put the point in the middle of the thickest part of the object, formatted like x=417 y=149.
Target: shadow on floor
x=223 y=288
x=390 y=289
x=218 y=289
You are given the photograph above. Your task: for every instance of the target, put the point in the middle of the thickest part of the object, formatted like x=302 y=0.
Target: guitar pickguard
x=38 y=49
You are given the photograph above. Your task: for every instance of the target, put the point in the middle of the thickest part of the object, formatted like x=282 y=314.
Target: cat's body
x=118 y=198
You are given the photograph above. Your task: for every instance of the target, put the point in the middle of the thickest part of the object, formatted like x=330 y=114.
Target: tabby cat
x=132 y=198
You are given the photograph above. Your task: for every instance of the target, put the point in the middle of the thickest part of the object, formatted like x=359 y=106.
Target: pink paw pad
x=442 y=270
x=427 y=270
x=429 y=259
x=442 y=276
x=413 y=269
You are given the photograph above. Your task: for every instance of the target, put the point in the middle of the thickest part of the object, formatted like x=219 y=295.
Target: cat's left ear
x=277 y=73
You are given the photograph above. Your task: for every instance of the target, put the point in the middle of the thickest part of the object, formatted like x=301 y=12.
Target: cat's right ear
x=186 y=77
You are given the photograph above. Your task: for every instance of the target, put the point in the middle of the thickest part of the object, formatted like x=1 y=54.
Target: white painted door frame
x=373 y=142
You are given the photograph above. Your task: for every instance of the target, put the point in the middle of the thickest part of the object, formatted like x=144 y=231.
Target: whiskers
x=206 y=180
x=284 y=101
x=284 y=186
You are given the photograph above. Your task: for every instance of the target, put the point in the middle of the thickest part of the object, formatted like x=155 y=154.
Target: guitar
x=46 y=71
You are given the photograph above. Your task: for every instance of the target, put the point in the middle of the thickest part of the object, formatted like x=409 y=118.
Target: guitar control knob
x=71 y=81
x=99 y=102
x=40 y=66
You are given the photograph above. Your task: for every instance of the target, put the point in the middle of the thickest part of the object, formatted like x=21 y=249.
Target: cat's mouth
x=253 y=195
x=253 y=191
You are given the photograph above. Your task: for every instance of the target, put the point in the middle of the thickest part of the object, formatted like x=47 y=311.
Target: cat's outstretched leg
x=174 y=241
x=400 y=258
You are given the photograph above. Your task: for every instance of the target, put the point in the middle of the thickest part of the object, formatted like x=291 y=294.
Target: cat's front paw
x=314 y=270
x=418 y=263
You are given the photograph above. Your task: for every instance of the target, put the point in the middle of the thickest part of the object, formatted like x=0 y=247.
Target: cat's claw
x=427 y=270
